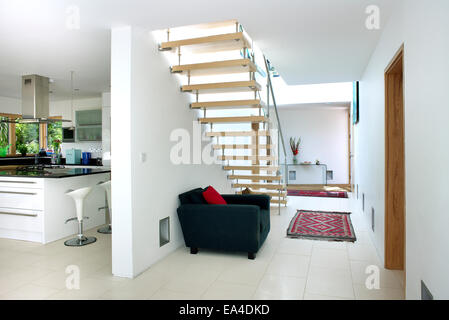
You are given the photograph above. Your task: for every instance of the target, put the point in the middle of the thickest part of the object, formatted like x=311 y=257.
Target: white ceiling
x=308 y=41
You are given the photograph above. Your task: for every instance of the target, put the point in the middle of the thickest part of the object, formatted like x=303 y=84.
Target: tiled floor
x=284 y=268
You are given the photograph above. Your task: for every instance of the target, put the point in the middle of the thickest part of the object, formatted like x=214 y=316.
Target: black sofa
x=241 y=225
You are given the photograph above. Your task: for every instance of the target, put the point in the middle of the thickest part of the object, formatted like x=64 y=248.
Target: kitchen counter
x=51 y=172
x=34 y=205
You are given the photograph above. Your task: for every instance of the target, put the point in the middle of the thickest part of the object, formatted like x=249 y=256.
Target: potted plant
x=56 y=146
x=23 y=149
x=294 y=145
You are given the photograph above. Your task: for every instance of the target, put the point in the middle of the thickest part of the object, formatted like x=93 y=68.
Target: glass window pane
x=54 y=134
x=27 y=135
x=4 y=136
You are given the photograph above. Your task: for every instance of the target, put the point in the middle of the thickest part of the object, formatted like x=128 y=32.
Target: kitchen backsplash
x=93 y=147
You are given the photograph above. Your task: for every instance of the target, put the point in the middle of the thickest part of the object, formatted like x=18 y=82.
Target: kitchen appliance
x=73 y=156
x=38 y=168
x=35 y=101
x=86 y=157
x=68 y=135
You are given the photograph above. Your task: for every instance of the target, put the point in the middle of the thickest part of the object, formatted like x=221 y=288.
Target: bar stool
x=78 y=196
x=107 y=187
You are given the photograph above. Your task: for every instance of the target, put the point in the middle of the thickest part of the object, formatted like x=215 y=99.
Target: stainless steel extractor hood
x=35 y=100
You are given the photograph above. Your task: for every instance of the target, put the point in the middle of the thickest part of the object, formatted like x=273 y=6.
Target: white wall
x=324 y=136
x=423 y=27
x=10 y=105
x=146 y=106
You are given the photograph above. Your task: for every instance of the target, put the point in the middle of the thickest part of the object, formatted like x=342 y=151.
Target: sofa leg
x=193 y=250
x=251 y=256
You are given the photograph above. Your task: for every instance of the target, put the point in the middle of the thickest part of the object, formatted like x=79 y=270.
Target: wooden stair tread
x=254 y=177
x=269 y=186
x=234 y=157
x=216 y=67
x=237 y=133
x=221 y=87
x=281 y=194
x=254 y=103
x=227 y=41
x=242 y=146
x=253 y=167
x=233 y=119
x=281 y=201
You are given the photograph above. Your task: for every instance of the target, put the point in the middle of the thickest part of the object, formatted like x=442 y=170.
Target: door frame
x=395 y=163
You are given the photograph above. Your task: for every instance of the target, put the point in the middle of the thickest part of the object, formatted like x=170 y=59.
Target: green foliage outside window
x=54 y=134
x=27 y=135
x=4 y=131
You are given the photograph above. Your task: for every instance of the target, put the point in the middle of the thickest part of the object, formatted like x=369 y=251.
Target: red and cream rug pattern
x=322 y=225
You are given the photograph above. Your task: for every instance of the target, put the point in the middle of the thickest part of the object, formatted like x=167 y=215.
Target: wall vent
x=372 y=218
x=164 y=231
x=425 y=292
x=291 y=175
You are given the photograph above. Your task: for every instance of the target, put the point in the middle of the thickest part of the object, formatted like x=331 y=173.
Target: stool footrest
x=71 y=219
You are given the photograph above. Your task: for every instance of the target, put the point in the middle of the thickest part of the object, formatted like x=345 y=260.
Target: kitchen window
x=17 y=137
x=54 y=132
x=27 y=137
x=4 y=136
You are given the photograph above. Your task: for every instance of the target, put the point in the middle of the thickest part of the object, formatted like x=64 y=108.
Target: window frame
x=43 y=132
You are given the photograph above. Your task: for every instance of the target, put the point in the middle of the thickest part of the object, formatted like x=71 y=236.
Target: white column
x=122 y=245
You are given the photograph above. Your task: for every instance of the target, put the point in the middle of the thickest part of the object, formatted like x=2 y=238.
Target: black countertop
x=51 y=173
x=31 y=160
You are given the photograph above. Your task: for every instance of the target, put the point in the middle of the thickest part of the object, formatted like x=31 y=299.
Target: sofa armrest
x=261 y=200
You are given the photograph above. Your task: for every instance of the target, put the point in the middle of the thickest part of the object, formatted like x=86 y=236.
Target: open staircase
x=220 y=69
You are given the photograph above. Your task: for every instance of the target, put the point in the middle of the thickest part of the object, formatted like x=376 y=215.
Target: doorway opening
x=394 y=164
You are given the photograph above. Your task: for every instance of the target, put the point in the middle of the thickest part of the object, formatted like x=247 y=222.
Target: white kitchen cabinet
x=35 y=209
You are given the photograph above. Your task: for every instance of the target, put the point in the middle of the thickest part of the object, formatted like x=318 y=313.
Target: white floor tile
x=296 y=246
x=284 y=268
x=362 y=293
x=387 y=278
x=330 y=282
x=289 y=265
x=220 y=290
x=29 y=292
x=280 y=288
x=329 y=258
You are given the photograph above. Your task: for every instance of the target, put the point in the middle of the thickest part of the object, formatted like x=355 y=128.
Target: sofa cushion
x=194 y=196
x=212 y=196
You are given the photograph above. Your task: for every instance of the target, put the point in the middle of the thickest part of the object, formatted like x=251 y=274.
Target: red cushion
x=213 y=197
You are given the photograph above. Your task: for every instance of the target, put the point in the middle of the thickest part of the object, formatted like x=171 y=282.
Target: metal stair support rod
x=279 y=154
x=277 y=115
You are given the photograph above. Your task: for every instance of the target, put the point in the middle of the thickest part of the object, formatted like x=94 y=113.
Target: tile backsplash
x=93 y=147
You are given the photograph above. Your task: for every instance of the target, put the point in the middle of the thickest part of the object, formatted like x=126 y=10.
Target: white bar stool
x=79 y=195
x=107 y=187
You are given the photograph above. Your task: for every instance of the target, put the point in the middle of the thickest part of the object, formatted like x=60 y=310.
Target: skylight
x=313 y=93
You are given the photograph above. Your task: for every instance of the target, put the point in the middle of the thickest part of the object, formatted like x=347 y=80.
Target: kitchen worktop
x=51 y=172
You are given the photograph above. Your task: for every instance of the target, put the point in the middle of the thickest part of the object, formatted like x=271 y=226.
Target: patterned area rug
x=321 y=225
x=316 y=193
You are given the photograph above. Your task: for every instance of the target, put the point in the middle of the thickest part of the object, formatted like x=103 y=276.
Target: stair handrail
x=270 y=86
